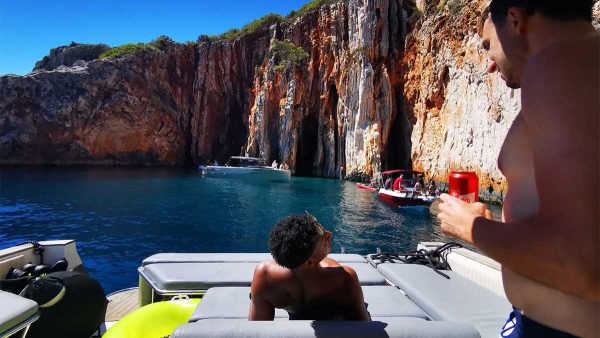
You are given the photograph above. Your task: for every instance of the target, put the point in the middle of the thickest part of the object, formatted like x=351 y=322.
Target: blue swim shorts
x=519 y=326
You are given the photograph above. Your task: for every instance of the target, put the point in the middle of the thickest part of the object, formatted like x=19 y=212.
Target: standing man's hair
x=552 y=9
x=292 y=240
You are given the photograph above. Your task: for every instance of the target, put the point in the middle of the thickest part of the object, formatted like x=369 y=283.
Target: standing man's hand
x=458 y=216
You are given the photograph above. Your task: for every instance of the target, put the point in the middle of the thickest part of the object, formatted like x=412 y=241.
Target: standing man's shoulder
x=562 y=80
x=564 y=62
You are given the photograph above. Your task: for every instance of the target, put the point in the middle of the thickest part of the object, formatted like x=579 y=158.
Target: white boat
x=404 y=299
x=406 y=199
x=404 y=196
x=248 y=168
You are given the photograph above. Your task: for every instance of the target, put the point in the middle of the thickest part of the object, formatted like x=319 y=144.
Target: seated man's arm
x=356 y=309
x=260 y=308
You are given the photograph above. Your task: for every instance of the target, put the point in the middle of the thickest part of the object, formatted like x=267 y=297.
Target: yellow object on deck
x=154 y=320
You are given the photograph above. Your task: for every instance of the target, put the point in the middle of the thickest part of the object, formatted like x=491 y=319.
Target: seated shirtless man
x=301 y=279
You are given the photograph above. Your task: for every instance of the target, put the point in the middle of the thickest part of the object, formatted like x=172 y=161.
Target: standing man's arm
x=559 y=246
x=260 y=308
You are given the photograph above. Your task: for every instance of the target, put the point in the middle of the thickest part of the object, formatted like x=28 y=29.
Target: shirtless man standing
x=548 y=242
x=301 y=279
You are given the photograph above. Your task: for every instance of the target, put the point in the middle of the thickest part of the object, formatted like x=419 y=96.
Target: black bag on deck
x=72 y=305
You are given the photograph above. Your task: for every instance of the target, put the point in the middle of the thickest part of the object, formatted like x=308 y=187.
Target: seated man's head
x=299 y=240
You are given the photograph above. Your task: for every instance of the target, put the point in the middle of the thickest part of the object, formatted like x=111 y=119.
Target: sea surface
x=120 y=216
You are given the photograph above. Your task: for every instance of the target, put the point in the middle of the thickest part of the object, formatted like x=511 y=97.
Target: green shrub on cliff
x=287 y=55
x=309 y=6
x=454 y=6
x=248 y=28
x=263 y=22
x=358 y=52
x=129 y=48
x=162 y=42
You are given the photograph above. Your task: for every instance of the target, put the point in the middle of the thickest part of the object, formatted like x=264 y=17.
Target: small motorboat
x=404 y=195
x=405 y=199
x=250 y=168
x=363 y=186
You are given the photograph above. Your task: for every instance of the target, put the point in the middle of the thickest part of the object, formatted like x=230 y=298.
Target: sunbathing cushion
x=391 y=327
x=227 y=303
x=171 y=277
x=234 y=302
x=15 y=310
x=232 y=258
x=454 y=299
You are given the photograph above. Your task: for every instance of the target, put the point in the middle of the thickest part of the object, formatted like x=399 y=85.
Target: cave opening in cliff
x=231 y=138
x=332 y=105
x=398 y=145
x=307 y=146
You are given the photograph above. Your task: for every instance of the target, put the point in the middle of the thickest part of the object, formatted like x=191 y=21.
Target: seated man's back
x=312 y=286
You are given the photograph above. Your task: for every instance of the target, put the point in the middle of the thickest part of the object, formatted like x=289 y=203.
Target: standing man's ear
x=517 y=19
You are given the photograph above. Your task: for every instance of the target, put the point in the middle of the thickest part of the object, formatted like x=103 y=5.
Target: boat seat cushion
x=232 y=258
x=234 y=302
x=169 y=277
x=15 y=310
x=395 y=327
x=454 y=299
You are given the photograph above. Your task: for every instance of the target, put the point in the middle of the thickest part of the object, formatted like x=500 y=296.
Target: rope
x=435 y=259
x=37 y=248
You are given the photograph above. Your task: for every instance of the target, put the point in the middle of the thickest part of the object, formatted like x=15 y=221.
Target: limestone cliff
x=188 y=103
x=341 y=108
x=460 y=114
x=386 y=84
x=68 y=55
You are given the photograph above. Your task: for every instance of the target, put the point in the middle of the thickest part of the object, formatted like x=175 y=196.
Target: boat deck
x=120 y=304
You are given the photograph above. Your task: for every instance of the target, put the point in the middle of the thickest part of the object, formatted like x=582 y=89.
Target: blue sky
x=30 y=28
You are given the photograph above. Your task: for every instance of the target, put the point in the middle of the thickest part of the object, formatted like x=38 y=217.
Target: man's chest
x=517 y=165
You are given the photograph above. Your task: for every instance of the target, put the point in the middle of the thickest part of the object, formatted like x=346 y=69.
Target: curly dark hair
x=553 y=9
x=292 y=239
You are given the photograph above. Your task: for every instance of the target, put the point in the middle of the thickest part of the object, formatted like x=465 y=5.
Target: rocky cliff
x=385 y=84
x=460 y=114
x=188 y=103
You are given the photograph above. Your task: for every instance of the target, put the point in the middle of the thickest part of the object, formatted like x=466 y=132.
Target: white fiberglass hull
x=250 y=173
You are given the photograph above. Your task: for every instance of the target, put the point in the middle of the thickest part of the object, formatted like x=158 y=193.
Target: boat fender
x=45 y=291
x=40 y=270
x=15 y=281
x=61 y=265
x=29 y=267
x=75 y=301
x=154 y=320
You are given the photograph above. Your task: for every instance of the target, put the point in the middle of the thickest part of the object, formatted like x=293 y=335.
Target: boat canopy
x=243 y=161
x=246 y=158
x=402 y=171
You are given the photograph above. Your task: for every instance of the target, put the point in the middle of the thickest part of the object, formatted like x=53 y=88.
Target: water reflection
x=120 y=216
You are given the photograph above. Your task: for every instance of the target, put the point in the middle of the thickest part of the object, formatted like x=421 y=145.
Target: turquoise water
x=120 y=216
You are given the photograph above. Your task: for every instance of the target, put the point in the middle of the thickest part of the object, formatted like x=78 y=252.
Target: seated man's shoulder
x=271 y=271
x=350 y=275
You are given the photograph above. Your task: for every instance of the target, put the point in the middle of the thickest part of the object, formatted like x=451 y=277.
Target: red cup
x=464 y=185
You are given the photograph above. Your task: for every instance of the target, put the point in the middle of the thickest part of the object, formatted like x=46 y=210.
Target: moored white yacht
x=249 y=168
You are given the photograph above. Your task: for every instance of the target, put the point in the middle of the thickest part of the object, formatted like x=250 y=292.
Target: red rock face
x=340 y=109
x=190 y=103
x=129 y=111
x=387 y=84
